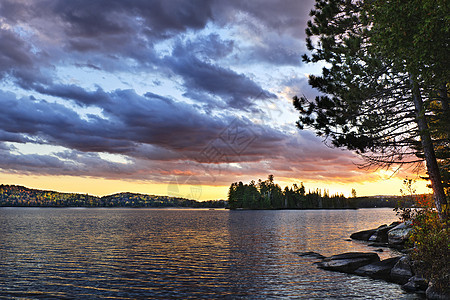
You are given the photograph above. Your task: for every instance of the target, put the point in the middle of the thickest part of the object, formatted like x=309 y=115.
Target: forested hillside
x=260 y=195
x=13 y=195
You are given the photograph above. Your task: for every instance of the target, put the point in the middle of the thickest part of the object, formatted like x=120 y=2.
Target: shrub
x=431 y=241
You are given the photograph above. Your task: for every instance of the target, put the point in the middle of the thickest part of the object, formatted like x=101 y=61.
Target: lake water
x=109 y=253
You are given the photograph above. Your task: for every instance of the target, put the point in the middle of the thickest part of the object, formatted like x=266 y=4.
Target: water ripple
x=182 y=254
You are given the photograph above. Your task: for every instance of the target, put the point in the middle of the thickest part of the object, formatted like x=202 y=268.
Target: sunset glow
x=102 y=99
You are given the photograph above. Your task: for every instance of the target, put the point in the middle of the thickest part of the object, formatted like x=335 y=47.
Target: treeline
x=269 y=195
x=13 y=195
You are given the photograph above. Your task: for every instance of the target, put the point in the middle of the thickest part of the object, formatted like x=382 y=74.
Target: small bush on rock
x=431 y=241
x=430 y=237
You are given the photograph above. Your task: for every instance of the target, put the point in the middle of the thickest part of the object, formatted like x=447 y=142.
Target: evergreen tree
x=415 y=36
x=370 y=103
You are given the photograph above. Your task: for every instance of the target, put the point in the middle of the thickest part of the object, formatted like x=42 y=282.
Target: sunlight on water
x=176 y=253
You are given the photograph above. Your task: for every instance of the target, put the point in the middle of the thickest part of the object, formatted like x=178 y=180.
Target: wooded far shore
x=20 y=196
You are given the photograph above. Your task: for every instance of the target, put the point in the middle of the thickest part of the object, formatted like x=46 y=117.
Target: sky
x=177 y=98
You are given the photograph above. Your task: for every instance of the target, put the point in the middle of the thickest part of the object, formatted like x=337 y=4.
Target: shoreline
x=400 y=269
x=191 y=207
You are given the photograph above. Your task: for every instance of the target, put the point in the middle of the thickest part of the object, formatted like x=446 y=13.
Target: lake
x=109 y=253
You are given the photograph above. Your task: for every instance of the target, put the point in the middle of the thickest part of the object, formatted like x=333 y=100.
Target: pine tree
x=370 y=102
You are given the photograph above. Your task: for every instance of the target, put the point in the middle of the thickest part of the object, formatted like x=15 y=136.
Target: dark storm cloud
x=63 y=163
x=276 y=55
x=159 y=135
x=14 y=52
x=275 y=29
x=210 y=46
x=75 y=93
x=114 y=26
x=275 y=50
x=160 y=18
x=287 y=16
x=150 y=120
x=155 y=142
x=14 y=137
x=100 y=18
x=161 y=121
x=236 y=90
x=106 y=34
x=141 y=130
x=17 y=60
x=129 y=29
x=33 y=162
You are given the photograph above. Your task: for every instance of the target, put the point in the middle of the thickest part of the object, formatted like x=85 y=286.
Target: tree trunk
x=443 y=93
x=427 y=144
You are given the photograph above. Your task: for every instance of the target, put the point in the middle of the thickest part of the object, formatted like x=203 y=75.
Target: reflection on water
x=176 y=253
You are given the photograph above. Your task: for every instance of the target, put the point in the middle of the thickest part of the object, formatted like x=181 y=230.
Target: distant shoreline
x=20 y=196
x=190 y=208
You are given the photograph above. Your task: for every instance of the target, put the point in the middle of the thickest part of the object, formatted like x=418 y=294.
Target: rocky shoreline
x=400 y=269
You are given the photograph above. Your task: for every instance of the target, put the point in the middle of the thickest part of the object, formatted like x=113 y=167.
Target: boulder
x=378 y=245
x=393 y=224
x=311 y=254
x=415 y=284
x=400 y=233
x=381 y=233
x=348 y=262
x=363 y=235
x=433 y=294
x=402 y=270
x=379 y=270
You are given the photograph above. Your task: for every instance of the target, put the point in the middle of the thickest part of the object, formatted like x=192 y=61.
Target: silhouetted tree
x=371 y=102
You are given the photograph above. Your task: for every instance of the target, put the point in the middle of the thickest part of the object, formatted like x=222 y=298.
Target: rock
x=311 y=255
x=348 y=262
x=399 y=247
x=381 y=233
x=415 y=284
x=363 y=235
x=406 y=250
x=378 y=250
x=378 y=245
x=434 y=294
x=380 y=269
x=377 y=236
x=402 y=270
x=400 y=233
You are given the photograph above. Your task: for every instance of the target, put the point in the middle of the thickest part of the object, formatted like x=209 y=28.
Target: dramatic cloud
x=152 y=90
x=236 y=90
